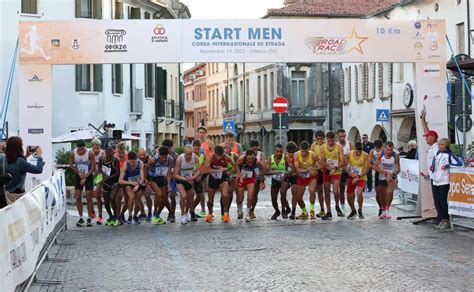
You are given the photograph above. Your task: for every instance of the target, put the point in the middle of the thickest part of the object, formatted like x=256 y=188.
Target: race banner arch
x=46 y=43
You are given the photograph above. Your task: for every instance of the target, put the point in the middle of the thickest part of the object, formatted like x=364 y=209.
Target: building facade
x=195 y=100
x=144 y=100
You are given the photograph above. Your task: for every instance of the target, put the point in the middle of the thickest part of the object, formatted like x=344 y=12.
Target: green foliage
x=179 y=149
x=457 y=149
x=62 y=158
x=245 y=147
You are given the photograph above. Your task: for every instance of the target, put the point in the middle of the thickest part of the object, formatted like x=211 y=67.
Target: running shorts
x=160 y=181
x=89 y=185
x=351 y=187
x=187 y=186
x=216 y=183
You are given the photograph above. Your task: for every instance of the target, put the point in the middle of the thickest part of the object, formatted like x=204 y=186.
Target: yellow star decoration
x=358 y=40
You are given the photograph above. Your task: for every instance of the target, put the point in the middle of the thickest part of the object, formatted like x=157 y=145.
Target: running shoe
x=226 y=217
x=188 y=217
x=171 y=218
x=292 y=216
x=444 y=226
x=115 y=223
x=108 y=222
x=339 y=212
x=183 y=220
x=89 y=222
x=327 y=216
x=100 y=220
x=321 y=214
x=157 y=220
x=240 y=213
x=380 y=212
x=383 y=215
x=352 y=215
x=142 y=216
x=252 y=215
x=122 y=217
x=80 y=223
x=222 y=217
x=312 y=215
x=387 y=215
x=285 y=215
x=194 y=217
x=247 y=217
x=361 y=216
x=203 y=214
x=303 y=216
x=148 y=217
x=276 y=215
x=129 y=221
x=136 y=220
x=209 y=218
x=93 y=215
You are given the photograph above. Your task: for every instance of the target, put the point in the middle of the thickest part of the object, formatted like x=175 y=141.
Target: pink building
x=195 y=103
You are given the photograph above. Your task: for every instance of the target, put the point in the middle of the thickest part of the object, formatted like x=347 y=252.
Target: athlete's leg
x=312 y=197
x=327 y=196
x=182 y=198
x=225 y=195
x=107 y=203
x=90 y=205
x=210 y=200
x=130 y=200
x=138 y=202
x=189 y=200
x=98 y=197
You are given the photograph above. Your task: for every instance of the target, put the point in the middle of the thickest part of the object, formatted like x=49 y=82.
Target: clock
x=408 y=95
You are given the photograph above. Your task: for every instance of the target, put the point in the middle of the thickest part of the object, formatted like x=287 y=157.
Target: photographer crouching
x=17 y=166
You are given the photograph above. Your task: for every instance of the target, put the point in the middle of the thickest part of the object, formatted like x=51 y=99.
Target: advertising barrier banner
x=409 y=178
x=461 y=193
x=25 y=227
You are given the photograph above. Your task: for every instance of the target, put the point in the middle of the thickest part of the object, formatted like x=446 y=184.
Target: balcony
x=306 y=114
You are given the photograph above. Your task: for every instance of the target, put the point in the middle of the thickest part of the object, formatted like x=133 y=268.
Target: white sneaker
x=382 y=216
x=188 y=217
x=247 y=215
x=183 y=219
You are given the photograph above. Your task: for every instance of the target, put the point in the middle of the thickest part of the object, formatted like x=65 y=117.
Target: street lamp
x=251 y=107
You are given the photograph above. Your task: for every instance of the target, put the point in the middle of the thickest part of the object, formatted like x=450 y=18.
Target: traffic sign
x=382 y=115
x=459 y=123
x=229 y=126
x=276 y=121
x=280 y=104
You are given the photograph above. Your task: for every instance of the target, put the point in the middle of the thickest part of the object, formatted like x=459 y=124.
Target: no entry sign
x=280 y=104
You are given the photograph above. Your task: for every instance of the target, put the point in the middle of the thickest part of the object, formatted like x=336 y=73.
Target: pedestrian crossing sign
x=382 y=115
x=229 y=126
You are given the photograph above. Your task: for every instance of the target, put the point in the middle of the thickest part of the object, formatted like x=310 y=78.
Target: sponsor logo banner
x=409 y=178
x=461 y=193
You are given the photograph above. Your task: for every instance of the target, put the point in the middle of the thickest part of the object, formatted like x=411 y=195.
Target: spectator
x=440 y=165
x=401 y=152
x=367 y=146
x=18 y=167
x=412 y=150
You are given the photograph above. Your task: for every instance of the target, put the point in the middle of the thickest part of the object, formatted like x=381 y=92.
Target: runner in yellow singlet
x=316 y=148
x=357 y=169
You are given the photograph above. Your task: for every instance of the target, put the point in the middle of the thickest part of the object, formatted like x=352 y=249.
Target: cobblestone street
x=264 y=254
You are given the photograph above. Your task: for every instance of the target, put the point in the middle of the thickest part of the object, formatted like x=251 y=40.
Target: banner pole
x=281 y=138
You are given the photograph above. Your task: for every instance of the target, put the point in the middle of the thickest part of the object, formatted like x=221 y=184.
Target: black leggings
x=440 y=196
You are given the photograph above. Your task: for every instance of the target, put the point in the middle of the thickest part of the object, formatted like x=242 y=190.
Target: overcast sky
x=230 y=9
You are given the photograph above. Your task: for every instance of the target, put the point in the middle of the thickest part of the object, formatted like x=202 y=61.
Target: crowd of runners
x=329 y=165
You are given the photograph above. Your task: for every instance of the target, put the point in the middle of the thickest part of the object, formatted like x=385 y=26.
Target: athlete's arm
x=377 y=165
x=366 y=165
x=234 y=165
x=262 y=171
x=116 y=166
x=397 y=165
x=92 y=161
x=297 y=164
x=342 y=159
x=169 y=175
x=177 y=170
x=196 y=166
x=72 y=165
x=316 y=161
x=122 y=180
x=142 y=173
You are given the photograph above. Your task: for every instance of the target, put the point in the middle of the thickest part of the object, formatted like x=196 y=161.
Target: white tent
x=86 y=135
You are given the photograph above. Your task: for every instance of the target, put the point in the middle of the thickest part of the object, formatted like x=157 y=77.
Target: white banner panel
x=25 y=227
x=35 y=116
x=409 y=178
x=253 y=40
x=431 y=96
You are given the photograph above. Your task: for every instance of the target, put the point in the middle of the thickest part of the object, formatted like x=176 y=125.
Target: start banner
x=25 y=227
x=461 y=193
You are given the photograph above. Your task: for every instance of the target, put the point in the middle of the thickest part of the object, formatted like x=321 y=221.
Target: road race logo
x=336 y=45
x=35 y=78
x=115 y=41
x=159 y=34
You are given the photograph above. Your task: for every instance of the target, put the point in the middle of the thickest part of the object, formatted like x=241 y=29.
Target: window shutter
x=119 y=76
x=97 y=9
x=34 y=7
x=97 y=78
x=114 y=78
x=78 y=8
x=78 y=77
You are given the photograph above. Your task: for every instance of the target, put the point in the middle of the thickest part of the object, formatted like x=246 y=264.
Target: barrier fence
x=28 y=228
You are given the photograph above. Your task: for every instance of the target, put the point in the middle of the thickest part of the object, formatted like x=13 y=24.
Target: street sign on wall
x=280 y=104
x=229 y=126
x=382 y=115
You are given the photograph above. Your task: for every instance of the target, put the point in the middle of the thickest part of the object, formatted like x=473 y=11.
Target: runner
x=122 y=155
x=260 y=176
x=185 y=173
x=82 y=162
x=216 y=166
x=132 y=178
x=373 y=155
x=109 y=167
x=388 y=165
x=291 y=148
x=246 y=181
x=357 y=168
x=276 y=166
x=306 y=164
x=316 y=148
x=347 y=147
x=199 y=184
x=171 y=216
x=143 y=156
x=232 y=174
x=234 y=146
x=99 y=154
x=332 y=159
x=159 y=174
x=207 y=147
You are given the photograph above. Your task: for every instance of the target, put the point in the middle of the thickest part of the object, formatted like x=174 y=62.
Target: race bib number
x=161 y=171
x=332 y=163
x=247 y=173
x=83 y=168
x=356 y=170
x=278 y=176
x=186 y=173
x=216 y=175
x=106 y=170
x=134 y=178
x=306 y=174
